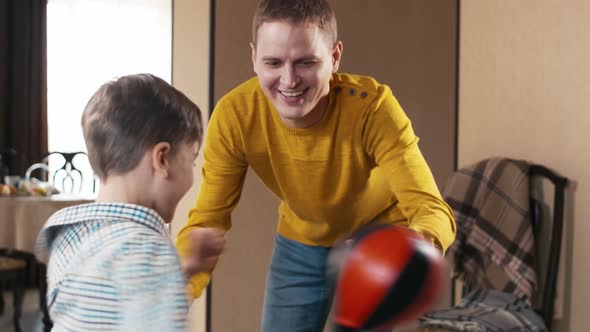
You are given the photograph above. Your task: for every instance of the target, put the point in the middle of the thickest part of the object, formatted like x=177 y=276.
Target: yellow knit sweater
x=361 y=163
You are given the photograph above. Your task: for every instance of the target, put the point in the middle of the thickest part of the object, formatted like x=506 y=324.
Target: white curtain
x=92 y=41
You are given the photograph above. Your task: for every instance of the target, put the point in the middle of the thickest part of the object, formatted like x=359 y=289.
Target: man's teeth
x=292 y=93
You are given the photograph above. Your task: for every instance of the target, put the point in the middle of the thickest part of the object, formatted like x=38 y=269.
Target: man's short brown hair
x=127 y=116
x=297 y=11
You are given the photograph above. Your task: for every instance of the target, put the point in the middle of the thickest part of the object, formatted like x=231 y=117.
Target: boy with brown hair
x=112 y=265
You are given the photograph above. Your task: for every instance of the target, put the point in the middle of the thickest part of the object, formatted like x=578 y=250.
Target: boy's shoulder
x=108 y=212
x=90 y=227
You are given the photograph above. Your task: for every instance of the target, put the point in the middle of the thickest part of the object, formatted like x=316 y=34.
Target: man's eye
x=308 y=63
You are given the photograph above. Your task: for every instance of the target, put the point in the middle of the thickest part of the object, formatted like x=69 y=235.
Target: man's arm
x=390 y=140
x=223 y=175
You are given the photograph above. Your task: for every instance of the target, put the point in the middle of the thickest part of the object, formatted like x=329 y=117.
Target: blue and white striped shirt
x=112 y=267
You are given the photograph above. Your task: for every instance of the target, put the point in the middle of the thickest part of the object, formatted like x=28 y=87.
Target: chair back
x=68 y=171
x=546 y=228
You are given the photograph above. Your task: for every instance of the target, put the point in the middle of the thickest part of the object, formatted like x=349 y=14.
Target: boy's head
x=295 y=51
x=142 y=120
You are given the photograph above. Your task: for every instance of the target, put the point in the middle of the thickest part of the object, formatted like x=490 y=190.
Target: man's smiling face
x=294 y=64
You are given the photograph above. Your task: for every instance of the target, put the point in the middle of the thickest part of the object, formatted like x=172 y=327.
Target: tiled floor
x=31 y=318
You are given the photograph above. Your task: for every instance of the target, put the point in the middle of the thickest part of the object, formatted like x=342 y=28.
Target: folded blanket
x=486 y=311
x=495 y=244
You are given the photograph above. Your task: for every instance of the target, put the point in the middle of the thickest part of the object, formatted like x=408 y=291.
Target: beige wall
x=524 y=93
x=190 y=74
x=410 y=46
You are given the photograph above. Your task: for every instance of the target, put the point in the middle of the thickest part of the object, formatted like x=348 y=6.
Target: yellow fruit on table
x=39 y=191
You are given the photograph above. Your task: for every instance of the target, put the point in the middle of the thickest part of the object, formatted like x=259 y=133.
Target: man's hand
x=429 y=238
x=205 y=247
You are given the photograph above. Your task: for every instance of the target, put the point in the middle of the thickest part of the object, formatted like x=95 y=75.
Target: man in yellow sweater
x=337 y=149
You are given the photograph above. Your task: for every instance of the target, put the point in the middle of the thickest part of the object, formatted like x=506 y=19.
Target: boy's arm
x=223 y=175
x=389 y=138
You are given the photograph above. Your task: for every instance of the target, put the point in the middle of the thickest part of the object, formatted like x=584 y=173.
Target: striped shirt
x=112 y=267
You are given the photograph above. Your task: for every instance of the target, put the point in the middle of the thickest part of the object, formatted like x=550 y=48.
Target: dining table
x=23 y=217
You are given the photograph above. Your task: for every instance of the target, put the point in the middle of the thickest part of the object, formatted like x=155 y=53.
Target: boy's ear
x=161 y=158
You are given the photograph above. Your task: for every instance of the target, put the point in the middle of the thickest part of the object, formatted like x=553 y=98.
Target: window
x=92 y=41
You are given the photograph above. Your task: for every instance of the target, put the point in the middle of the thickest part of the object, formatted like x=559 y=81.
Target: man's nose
x=289 y=77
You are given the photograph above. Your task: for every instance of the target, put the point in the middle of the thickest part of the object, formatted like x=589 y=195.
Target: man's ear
x=253 y=48
x=161 y=153
x=336 y=56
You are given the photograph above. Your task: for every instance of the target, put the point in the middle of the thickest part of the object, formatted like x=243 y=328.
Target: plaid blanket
x=494 y=248
x=486 y=311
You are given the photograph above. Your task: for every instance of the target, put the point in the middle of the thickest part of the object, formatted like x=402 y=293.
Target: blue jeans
x=296 y=296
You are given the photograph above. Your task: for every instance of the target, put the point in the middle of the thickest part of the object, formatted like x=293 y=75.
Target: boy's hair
x=129 y=115
x=297 y=11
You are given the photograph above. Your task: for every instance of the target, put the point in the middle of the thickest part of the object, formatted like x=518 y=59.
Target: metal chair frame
x=12 y=272
x=18 y=277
